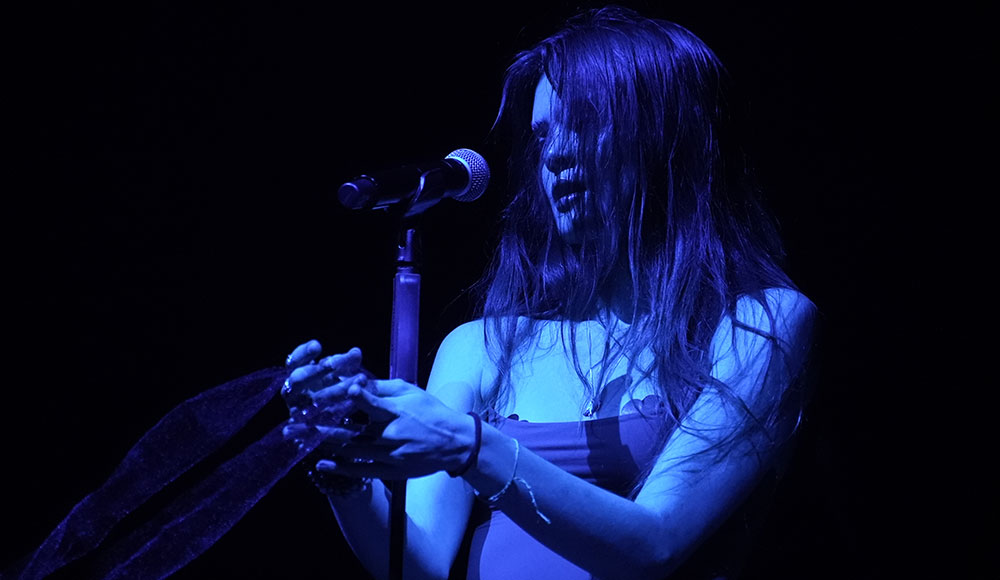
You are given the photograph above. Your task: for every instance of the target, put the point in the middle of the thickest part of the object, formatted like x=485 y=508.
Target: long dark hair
x=677 y=215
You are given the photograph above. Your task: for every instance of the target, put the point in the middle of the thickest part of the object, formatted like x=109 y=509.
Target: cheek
x=544 y=180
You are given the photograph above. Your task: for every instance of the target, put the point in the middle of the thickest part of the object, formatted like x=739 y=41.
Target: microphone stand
x=403 y=365
x=403 y=354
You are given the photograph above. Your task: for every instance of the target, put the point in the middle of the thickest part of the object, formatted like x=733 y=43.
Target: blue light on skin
x=562 y=177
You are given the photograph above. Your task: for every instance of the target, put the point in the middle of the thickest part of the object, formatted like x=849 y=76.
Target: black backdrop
x=170 y=224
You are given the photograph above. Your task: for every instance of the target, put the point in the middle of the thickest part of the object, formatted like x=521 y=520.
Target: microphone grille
x=479 y=173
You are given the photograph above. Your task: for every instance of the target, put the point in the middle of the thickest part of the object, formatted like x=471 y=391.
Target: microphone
x=462 y=175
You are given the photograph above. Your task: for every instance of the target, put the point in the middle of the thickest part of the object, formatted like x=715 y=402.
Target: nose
x=558 y=155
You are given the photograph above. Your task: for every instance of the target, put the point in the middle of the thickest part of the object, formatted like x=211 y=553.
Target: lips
x=567 y=194
x=566 y=187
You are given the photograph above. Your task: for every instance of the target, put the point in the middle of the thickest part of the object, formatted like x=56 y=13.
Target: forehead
x=545 y=99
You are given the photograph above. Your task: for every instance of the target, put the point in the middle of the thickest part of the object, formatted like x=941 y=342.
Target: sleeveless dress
x=609 y=452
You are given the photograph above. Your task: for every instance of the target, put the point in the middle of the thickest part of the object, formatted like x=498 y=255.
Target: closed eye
x=540 y=130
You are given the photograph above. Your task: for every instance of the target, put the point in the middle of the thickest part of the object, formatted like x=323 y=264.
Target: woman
x=634 y=374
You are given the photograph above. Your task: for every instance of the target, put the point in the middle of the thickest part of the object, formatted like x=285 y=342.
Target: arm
x=689 y=492
x=438 y=506
x=685 y=498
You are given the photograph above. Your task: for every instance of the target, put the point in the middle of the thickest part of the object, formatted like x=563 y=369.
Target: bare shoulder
x=784 y=315
x=784 y=312
x=777 y=324
x=466 y=335
x=460 y=366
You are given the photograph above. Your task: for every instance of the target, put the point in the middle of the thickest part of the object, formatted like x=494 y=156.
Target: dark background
x=170 y=224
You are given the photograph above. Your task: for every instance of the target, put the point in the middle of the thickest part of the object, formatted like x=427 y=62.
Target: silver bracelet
x=494 y=499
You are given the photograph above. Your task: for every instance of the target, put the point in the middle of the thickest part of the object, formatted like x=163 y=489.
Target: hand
x=315 y=392
x=421 y=435
x=307 y=375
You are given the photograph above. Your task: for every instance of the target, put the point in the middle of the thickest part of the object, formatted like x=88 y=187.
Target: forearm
x=605 y=534
x=364 y=521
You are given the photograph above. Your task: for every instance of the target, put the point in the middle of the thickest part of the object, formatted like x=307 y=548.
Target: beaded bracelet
x=474 y=454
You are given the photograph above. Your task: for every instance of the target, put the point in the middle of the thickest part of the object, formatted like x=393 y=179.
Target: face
x=562 y=174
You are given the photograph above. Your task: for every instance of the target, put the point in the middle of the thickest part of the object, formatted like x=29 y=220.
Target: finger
x=390 y=388
x=367 y=443
x=376 y=470
x=295 y=391
x=303 y=354
x=337 y=434
x=338 y=392
x=381 y=410
x=300 y=433
x=295 y=431
x=343 y=364
x=365 y=454
x=311 y=377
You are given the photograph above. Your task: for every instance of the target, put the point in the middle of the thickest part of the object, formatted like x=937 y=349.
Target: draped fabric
x=605 y=452
x=197 y=516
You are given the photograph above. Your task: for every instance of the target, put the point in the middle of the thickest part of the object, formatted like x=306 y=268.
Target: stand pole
x=403 y=365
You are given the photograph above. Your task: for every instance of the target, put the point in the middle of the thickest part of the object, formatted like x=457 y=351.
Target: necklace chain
x=596 y=399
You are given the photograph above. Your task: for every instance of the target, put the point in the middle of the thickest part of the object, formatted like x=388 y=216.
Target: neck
x=616 y=297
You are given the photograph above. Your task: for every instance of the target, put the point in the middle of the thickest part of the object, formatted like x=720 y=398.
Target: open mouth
x=567 y=193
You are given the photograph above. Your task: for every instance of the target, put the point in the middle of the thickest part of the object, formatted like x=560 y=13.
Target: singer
x=632 y=384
